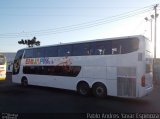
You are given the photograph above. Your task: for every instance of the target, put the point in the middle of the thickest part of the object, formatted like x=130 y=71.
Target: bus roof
x=88 y=41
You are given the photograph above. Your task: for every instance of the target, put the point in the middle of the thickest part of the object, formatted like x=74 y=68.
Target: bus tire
x=24 y=82
x=99 y=90
x=83 y=88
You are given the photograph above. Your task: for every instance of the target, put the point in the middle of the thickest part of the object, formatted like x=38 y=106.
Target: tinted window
x=71 y=71
x=123 y=46
x=103 y=48
x=83 y=49
x=129 y=45
x=64 y=50
x=51 y=51
x=17 y=62
x=116 y=46
x=39 y=52
x=2 y=59
x=1 y=56
x=119 y=46
x=28 y=53
x=19 y=54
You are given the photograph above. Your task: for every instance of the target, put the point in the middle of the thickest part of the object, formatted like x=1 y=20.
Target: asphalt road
x=33 y=99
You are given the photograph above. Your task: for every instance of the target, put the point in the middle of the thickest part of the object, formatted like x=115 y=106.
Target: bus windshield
x=2 y=67
x=2 y=60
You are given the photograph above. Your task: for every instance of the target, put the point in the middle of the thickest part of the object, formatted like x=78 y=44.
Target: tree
x=30 y=43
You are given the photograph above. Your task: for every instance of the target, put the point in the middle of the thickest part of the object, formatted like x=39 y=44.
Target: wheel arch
x=24 y=81
x=24 y=78
x=83 y=88
x=82 y=81
x=100 y=84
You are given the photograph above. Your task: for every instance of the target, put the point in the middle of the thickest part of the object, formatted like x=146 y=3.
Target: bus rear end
x=148 y=81
x=2 y=67
x=146 y=75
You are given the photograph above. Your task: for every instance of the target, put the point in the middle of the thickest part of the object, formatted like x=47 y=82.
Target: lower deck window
x=71 y=71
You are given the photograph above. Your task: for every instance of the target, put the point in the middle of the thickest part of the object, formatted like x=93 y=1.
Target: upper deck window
x=51 y=51
x=103 y=48
x=39 y=52
x=65 y=50
x=29 y=53
x=83 y=49
x=106 y=47
x=123 y=46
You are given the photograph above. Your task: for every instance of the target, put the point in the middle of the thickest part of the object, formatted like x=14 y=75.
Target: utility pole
x=150 y=20
x=155 y=39
x=155 y=32
x=154 y=16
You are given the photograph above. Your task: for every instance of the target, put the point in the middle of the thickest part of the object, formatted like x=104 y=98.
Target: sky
x=63 y=21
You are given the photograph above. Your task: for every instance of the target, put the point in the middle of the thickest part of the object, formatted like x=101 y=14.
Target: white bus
x=114 y=66
x=2 y=67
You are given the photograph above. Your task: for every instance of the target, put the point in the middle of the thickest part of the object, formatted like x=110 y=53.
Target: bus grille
x=126 y=81
x=126 y=87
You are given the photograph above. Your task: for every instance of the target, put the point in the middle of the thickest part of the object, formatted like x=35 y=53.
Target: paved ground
x=16 y=99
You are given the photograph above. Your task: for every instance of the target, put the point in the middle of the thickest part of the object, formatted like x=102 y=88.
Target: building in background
x=10 y=58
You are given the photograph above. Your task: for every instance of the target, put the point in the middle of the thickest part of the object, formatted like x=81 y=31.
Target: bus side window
x=65 y=50
x=80 y=49
x=114 y=51
x=116 y=47
x=89 y=48
x=83 y=49
x=128 y=45
x=100 y=48
x=103 y=48
x=51 y=51
x=39 y=52
x=77 y=50
x=29 y=53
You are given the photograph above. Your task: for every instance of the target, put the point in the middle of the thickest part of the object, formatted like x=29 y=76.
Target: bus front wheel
x=24 y=82
x=99 y=90
x=83 y=88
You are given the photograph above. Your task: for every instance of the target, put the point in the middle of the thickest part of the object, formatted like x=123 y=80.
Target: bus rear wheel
x=99 y=90
x=83 y=88
x=24 y=82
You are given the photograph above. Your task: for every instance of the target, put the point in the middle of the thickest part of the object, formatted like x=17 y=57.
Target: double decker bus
x=120 y=66
x=2 y=67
